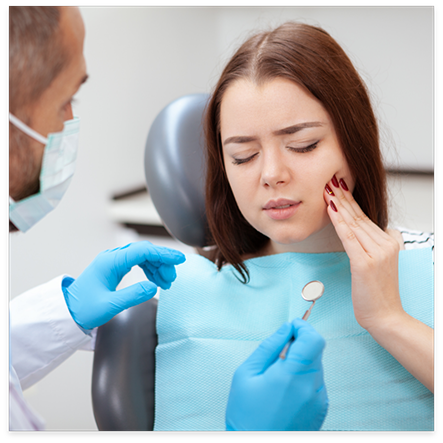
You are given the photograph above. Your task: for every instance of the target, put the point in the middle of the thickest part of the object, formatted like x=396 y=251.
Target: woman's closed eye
x=239 y=161
x=305 y=148
x=300 y=150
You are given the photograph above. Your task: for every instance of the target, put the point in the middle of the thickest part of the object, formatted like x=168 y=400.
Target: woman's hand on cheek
x=373 y=256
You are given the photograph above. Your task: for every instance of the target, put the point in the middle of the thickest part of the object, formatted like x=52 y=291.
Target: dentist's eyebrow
x=83 y=79
x=296 y=128
x=285 y=131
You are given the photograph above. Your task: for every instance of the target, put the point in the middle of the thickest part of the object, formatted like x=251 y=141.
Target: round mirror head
x=313 y=290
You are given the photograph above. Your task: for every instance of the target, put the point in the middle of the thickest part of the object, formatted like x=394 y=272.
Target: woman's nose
x=275 y=171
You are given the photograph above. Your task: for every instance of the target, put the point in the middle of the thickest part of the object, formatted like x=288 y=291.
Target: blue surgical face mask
x=58 y=167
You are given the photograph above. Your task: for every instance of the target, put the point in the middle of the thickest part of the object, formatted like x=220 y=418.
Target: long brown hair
x=310 y=57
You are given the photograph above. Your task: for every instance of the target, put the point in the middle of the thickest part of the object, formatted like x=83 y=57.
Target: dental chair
x=123 y=376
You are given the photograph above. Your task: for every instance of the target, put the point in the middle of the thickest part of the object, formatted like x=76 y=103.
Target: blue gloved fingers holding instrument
x=272 y=394
x=93 y=299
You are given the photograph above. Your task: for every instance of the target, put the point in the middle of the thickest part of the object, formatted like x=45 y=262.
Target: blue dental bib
x=208 y=323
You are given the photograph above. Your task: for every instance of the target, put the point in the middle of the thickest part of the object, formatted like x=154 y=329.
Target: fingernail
x=335 y=181
x=329 y=190
x=331 y=204
x=344 y=185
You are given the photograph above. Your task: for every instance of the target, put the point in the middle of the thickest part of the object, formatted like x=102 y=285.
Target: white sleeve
x=43 y=333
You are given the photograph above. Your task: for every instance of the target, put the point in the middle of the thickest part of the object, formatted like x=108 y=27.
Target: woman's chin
x=320 y=240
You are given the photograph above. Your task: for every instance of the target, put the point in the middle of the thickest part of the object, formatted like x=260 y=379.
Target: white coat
x=42 y=336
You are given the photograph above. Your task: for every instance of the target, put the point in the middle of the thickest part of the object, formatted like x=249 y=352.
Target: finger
x=369 y=242
x=170 y=256
x=363 y=246
x=135 y=294
x=348 y=238
x=308 y=345
x=167 y=273
x=154 y=275
x=268 y=350
x=347 y=199
x=370 y=238
x=337 y=191
x=144 y=251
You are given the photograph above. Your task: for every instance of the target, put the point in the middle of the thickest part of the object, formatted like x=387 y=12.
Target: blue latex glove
x=92 y=298
x=271 y=394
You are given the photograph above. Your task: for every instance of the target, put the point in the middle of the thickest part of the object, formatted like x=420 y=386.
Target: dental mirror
x=312 y=291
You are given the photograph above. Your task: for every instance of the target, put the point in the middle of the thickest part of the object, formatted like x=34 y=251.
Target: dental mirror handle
x=285 y=349
x=308 y=312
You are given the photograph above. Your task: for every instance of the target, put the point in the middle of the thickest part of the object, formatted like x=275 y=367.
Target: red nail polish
x=329 y=190
x=344 y=185
x=331 y=203
x=334 y=181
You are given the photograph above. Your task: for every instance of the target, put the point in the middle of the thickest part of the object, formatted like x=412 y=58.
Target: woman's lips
x=281 y=209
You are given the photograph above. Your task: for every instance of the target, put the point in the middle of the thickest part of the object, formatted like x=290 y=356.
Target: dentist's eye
x=305 y=149
x=73 y=101
x=239 y=161
x=69 y=103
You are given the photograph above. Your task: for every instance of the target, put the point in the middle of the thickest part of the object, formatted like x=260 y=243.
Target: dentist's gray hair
x=36 y=57
x=36 y=52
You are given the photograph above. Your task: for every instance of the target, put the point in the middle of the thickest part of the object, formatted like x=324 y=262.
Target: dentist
x=50 y=322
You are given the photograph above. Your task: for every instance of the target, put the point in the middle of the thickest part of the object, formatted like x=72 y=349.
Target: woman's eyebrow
x=239 y=139
x=295 y=128
x=285 y=131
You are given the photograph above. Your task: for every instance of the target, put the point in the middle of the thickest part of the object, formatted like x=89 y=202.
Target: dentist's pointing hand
x=93 y=299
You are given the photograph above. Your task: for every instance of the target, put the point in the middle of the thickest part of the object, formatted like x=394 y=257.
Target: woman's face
x=280 y=150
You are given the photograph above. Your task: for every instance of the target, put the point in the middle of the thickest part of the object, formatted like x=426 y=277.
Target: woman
x=296 y=191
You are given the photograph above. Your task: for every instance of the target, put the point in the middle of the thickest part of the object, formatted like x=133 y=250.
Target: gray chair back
x=123 y=377
x=175 y=168
x=123 y=374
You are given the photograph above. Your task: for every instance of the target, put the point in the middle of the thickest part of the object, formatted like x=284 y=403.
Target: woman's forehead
x=274 y=105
